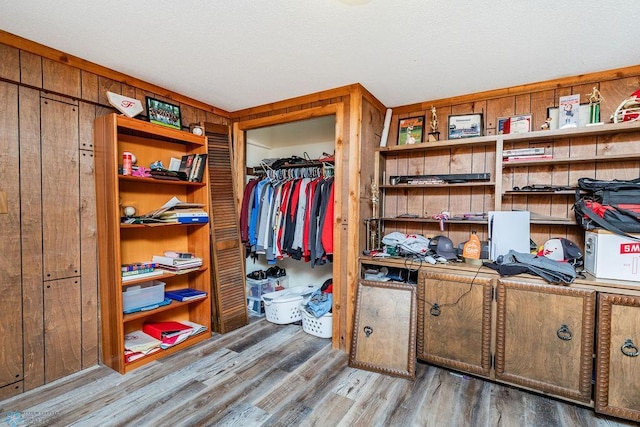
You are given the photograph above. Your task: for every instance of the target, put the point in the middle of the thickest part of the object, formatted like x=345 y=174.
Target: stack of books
x=525 y=154
x=170 y=333
x=140 y=270
x=185 y=216
x=177 y=264
x=138 y=344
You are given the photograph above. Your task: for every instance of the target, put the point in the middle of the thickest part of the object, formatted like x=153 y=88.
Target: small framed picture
x=410 y=130
x=514 y=124
x=568 y=114
x=163 y=113
x=465 y=126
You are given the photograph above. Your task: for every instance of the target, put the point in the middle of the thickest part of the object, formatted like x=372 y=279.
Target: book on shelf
x=177 y=263
x=138 y=266
x=175 y=254
x=193 y=166
x=140 y=275
x=523 y=151
x=130 y=356
x=136 y=272
x=168 y=329
x=173 y=203
x=186 y=294
x=196 y=328
x=140 y=341
x=530 y=157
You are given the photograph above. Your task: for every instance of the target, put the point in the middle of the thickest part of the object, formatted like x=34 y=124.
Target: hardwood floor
x=277 y=375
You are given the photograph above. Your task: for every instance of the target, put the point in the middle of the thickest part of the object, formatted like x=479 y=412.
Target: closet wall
x=49 y=305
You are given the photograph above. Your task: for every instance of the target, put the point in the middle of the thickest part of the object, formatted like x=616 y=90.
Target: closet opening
x=288 y=205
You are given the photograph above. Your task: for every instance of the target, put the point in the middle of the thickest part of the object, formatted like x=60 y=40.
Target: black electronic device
x=447 y=178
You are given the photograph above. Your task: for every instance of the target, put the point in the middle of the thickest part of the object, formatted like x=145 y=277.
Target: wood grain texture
x=277 y=375
x=529 y=348
x=11 y=357
x=617 y=385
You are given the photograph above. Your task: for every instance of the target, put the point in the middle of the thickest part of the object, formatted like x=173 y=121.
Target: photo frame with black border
x=465 y=126
x=410 y=130
x=163 y=113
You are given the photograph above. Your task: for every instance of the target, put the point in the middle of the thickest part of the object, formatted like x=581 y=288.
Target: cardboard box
x=609 y=256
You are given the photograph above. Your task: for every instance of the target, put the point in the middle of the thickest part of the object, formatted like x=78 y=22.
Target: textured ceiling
x=237 y=54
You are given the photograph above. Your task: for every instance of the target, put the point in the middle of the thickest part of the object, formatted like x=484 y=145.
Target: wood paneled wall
x=49 y=305
x=614 y=85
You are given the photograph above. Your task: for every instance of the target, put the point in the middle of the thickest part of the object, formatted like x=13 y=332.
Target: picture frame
x=521 y=123
x=465 y=126
x=554 y=112
x=410 y=130
x=384 y=330
x=163 y=113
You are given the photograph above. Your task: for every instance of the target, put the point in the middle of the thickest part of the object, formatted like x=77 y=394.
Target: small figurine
x=547 y=124
x=434 y=135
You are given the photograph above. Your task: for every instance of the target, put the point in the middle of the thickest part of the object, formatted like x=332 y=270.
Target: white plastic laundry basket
x=283 y=307
x=318 y=326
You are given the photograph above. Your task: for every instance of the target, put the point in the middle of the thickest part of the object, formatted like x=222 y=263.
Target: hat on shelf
x=443 y=246
x=561 y=249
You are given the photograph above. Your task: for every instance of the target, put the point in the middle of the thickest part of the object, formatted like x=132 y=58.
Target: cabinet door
x=544 y=337
x=618 y=359
x=454 y=321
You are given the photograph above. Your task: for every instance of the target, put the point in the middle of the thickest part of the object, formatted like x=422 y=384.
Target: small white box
x=142 y=295
x=610 y=256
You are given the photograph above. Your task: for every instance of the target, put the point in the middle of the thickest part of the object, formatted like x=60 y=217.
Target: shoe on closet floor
x=257 y=275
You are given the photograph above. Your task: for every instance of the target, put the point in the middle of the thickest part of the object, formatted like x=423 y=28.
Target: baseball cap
x=561 y=249
x=443 y=246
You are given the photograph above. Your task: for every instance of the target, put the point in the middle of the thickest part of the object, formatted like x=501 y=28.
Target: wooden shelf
x=435 y=221
x=130 y=178
x=172 y=306
x=571 y=160
x=439 y=145
x=128 y=367
x=136 y=127
x=165 y=275
x=421 y=186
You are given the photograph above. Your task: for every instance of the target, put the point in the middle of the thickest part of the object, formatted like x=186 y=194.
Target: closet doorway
x=308 y=140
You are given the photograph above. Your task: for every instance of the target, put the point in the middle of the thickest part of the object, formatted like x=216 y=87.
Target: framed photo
x=514 y=124
x=163 y=113
x=384 y=330
x=410 y=130
x=465 y=126
x=568 y=114
x=553 y=113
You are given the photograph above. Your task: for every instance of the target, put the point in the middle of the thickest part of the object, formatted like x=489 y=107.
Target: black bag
x=611 y=205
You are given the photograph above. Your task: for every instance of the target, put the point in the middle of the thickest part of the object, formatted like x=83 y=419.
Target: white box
x=142 y=295
x=609 y=256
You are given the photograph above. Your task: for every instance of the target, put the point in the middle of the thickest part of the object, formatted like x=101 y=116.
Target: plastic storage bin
x=283 y=307
x=319 y=326
x=142 y=295
x=255 y=288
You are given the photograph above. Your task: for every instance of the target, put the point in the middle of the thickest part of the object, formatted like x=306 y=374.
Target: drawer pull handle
x=629 y=349
x=435 y=310
x=564 y=333
x=368 y=330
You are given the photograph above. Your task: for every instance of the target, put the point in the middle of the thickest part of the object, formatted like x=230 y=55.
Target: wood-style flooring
x=277 y=375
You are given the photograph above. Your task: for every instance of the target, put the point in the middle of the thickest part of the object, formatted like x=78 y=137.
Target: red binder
x=162 y=330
